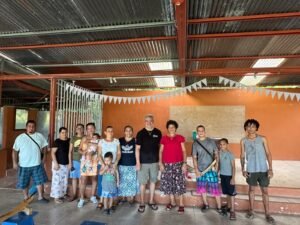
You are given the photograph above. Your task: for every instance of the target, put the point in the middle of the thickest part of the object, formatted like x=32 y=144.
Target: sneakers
x=204 y=208
x=80 y=203
x=94 y=200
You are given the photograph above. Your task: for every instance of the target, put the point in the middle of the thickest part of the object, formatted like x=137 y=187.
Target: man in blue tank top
x=255 y=151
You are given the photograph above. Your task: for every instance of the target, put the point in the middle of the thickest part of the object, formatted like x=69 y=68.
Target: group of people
x=119 y=169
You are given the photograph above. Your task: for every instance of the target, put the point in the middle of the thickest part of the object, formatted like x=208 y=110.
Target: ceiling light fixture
x=268 y=63
x=160 y=66
x=251 y=79
x=167 y=81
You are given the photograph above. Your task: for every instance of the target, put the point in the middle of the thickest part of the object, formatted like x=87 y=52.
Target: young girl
x=110 y=182
x=60 y=166
x=108 y=144
x=227 y=174
x=74 y=157
x=128 y=175
x=172 y=161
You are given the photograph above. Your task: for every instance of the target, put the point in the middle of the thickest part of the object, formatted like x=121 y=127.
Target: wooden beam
x=53 y=91
x=245 y=18
x=244 y=34
x=245 y=57
x=181 y=18
x=88 y=43
x=29 y=87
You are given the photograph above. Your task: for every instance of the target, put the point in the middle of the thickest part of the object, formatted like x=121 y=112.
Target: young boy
x=110 y=182
x=227 y=174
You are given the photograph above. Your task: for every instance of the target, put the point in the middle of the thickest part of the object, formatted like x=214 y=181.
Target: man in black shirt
x=147 y=155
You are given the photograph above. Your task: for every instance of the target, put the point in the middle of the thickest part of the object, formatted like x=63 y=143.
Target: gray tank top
x=255 y=155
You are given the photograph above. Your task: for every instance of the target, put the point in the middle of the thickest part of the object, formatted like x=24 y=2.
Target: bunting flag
x=279 y=94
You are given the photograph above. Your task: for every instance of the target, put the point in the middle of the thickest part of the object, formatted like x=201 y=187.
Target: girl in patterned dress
x=110 y=182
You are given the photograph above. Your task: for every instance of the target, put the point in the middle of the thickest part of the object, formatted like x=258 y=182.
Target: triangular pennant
x=115 y=100
x=110 y=98
x=134 y=100
x=286 y=95
x=267 y=92
x=143 y=100
x=279 y=94
x=139 y=99
x=148 y=99
x=226 y=81
x=292 y=96
x=129 y=100
x=119 y=99
x=231 y=83
x=199 y=84
x=204 y=81
x=194 y=86
x=105 y=97
x=189 y=88
x=260 y=90
x=124 y=99
x=298 y=97
x=183 y=91
x=273 y=93
x=221 y=79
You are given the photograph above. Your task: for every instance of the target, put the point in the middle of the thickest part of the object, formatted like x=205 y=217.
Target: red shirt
x=172 y=151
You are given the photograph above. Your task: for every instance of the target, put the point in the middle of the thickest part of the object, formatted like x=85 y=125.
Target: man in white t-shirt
x=27 y=158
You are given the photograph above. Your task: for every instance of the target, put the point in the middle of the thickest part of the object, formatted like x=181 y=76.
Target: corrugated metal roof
x=88 y=37
x=197 y=65
x=245 y=26
x=136 y=50
x=36 y=15
x=246 y=46
x=222 y=8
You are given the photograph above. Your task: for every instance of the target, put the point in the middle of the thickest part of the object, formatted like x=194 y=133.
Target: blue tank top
x=255 y=155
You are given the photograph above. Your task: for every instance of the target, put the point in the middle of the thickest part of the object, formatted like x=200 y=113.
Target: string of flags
x=79 y=91
x=267 y=92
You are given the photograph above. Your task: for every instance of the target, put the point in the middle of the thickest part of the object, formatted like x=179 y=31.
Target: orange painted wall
x=9 y=134
x=279 y=119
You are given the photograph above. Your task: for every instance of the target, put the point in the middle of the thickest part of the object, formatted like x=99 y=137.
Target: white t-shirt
x=29 y=153
x=109 y=146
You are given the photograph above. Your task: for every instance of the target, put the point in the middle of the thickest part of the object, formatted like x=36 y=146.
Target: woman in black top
x=128 y=187
x=60 y=166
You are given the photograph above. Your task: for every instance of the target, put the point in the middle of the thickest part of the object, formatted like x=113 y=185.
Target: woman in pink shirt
x=172 y=162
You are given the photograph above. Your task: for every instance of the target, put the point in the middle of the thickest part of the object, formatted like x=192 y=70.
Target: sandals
x=141 y=209
x=153 y=206
x=180 y=210
x=170 y=206
x=250 y=215
x=58 y=201
x=270 y=219
x=100 y=205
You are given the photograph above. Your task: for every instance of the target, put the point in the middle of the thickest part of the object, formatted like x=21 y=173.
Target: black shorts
x=227 y=188
x=261 y=178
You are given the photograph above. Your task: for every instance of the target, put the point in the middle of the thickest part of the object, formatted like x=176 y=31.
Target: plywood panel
x=219 y=121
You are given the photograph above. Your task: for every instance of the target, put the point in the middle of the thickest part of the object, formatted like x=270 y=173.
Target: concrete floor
x=69 y=214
